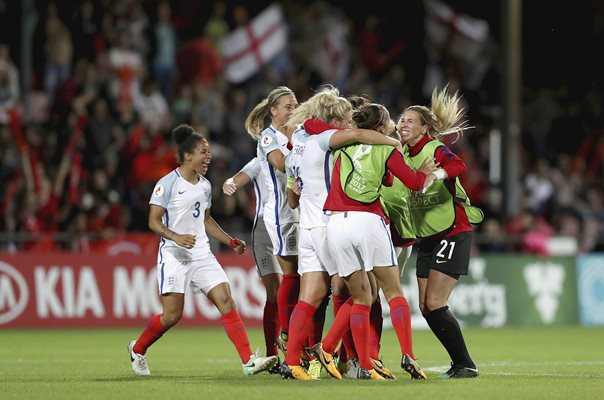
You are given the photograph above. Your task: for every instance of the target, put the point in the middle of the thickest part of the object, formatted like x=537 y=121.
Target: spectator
x=9 y=83
x=217 y=27
x=58 y=50
x=152 y=107
x=87 y=38
x=87 y=52
x=199 y=61
x=164 y=60
x=126 y=67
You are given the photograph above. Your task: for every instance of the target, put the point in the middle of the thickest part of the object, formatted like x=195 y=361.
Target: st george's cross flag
x=247 y=48
x=455 y=33
x=332 y=59
x=456 y=37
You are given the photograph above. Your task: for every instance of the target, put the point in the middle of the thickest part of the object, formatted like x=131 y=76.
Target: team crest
x=291 y=242
x=266 y=141
x=158 y=191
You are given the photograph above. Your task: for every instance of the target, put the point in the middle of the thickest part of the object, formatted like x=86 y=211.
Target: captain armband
x=290 y=181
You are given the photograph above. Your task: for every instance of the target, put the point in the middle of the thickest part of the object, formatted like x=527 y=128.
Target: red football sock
x=152 y=332
x=348 y=346
x=315 y=333
x=270 y=324
x=337 y=303
x=317 y=323
x=235 y=330
x=375 y=331
x=287 y=297
x=359 y=325
x=301 y=315
x=340 y=325
x=342 y=353
x=400 y=313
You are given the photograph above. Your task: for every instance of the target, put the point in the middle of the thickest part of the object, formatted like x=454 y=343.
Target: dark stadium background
x=559 y=60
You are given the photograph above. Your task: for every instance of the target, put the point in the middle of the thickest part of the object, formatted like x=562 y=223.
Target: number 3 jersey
x=185 y=205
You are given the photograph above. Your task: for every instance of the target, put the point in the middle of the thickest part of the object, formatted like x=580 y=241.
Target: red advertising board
x=97 y=290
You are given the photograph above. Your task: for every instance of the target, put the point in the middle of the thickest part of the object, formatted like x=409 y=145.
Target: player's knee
x=226 y=305
x=431 y=304
x=392 y=291
x=171 y=319
x=271 y=296
x=271 y=293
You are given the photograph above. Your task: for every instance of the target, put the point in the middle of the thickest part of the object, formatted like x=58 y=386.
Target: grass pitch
x=187 y=363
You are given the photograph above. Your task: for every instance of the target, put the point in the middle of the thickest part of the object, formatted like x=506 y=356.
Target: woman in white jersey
x=309 y=164
x=180 y=214
x=262 y=247
x=281 y=221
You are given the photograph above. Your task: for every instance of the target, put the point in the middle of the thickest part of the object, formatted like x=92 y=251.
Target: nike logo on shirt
x=441 y=261
x=179 y=192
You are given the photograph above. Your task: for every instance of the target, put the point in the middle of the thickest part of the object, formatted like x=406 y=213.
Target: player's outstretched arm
x=214 y=230
x=236 y=181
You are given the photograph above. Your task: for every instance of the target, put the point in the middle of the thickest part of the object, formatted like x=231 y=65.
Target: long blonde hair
x=255 y=121
x=444 y=116
x=326 y=104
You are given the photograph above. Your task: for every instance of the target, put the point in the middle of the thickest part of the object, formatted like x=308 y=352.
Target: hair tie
x=381 y=117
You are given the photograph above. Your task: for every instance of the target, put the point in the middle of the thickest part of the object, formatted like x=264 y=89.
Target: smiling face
x=200 y=158
x=410 y=127
x=283 y=109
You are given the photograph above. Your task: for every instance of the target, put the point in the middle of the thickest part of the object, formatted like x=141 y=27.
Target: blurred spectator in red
x=199 y=61
x=38 y=208
x=151 y=157
x=126 y=67
x=591 y=154
x=370 y=42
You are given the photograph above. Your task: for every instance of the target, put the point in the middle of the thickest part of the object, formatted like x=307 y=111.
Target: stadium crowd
x=110 y=80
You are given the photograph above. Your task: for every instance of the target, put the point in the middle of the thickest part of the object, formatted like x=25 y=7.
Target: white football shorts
x=178 y=277
x=262 y=247
x=359 y=240
x=313 y=252
x=284 y=237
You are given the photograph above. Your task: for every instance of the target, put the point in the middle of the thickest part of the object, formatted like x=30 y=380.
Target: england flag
x=247 y=48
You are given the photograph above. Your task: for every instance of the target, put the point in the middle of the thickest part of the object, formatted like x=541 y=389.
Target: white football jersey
x=276 y=209
x=310 y=163
x=253 y=170
x=185 y=206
